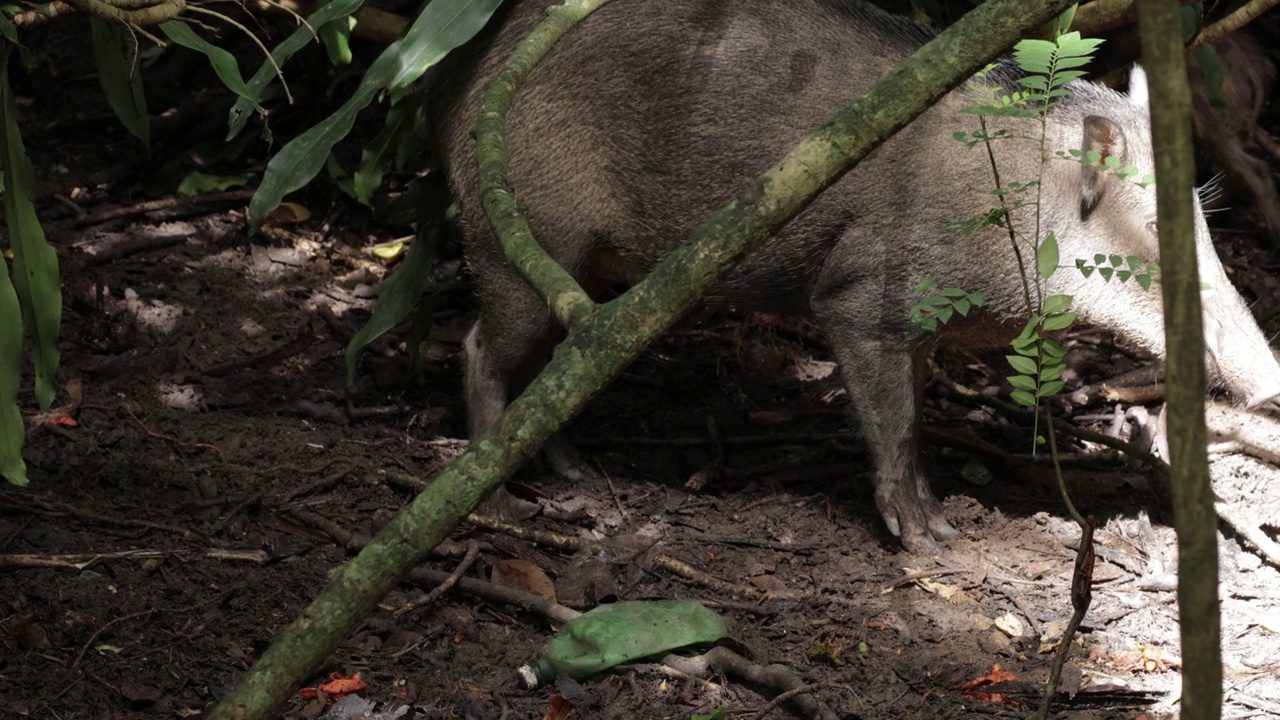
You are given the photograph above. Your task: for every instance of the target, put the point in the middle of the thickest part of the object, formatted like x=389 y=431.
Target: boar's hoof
x=565 y=460
x=502 y=505
x=915 y=515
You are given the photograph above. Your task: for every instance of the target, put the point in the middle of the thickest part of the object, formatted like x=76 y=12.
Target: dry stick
x=172 y=439
x=1251 y=533
x=1063 y=426
x=775 y=677
x=164 y=204
x=134 y=246
x=1229 y=24
x=83 y=561
x=305 y=339
x=62 y=510
x=473 y=550
x=93 y=638
x=497 y=594
x=768 y=439
x=340 y=535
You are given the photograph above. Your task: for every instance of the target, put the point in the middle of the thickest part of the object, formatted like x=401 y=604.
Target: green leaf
x=1047 y=256
x=1207 y=58
x=719 y=713
x=336 y=37
x=1106 y=273
x=1123 y=275
x=1035 y=82
x=1024 y=398
x=1062 y=23
x=1051 y=388
x=1115 y=260
x=197 y=182
x=115 y=52
x=944 y=314
x=977 y=298
x=35 y=264
x=962 y=306
x=1099 y=259
x=223 y=62
x=1052 y=351
x=1022 y=382
x=1062 y=321
x=395 y=133
x=1056 y=304
x=12 y=431
x=442 y=26
x=1024 y=365
x=400 y=294
x=1051 y=372
x=954 y=293
x=257 y=85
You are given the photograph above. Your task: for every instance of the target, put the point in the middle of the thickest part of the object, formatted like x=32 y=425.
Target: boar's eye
x=1151 y=228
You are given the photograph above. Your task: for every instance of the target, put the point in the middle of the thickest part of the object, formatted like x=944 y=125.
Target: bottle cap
x=528 y=677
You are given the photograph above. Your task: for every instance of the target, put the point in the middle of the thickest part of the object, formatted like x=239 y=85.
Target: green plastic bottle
x=622 y=632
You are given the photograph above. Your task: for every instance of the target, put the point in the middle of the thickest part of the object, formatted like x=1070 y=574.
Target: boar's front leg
x=883 y=366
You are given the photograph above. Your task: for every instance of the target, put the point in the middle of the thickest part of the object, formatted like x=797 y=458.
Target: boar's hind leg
x=884 y=374
x=506 y=348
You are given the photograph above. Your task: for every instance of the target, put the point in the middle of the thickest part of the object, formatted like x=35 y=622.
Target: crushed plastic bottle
x=622 y=632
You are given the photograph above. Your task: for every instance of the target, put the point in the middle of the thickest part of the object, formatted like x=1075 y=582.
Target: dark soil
x=216 y=474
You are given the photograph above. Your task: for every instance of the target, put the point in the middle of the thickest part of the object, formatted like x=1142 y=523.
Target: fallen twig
x=84 y=561
x=171 y=203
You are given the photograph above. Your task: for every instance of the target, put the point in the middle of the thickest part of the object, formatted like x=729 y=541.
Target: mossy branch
x=1198 y=612
x=566 y=299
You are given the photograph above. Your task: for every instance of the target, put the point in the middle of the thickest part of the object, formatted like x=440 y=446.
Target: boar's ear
x=1138 y=93
x=1105 y=138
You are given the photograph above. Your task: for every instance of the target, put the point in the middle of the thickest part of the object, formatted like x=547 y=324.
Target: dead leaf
x=524 y=575
x=558 y=708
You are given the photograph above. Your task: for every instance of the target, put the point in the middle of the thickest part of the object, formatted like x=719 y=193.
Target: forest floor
x=218 y=469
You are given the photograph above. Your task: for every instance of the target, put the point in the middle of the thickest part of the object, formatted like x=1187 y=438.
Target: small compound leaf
x=1022 y=382
x=1047 y=256
x=1051 y=372
x=1059 y=322
x=1024 y=398
x=1056 y=304
x=1051 y=388
x=1024 y=365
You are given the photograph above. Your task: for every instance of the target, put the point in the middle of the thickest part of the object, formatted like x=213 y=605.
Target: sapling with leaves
x=1047 y=66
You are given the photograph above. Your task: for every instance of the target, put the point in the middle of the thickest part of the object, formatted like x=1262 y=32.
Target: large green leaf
x=115 y=51
x=11 y=430
x=223 y=62
x=442 y=26
x=257 y=84
x=35 y=264
x=399 y=296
